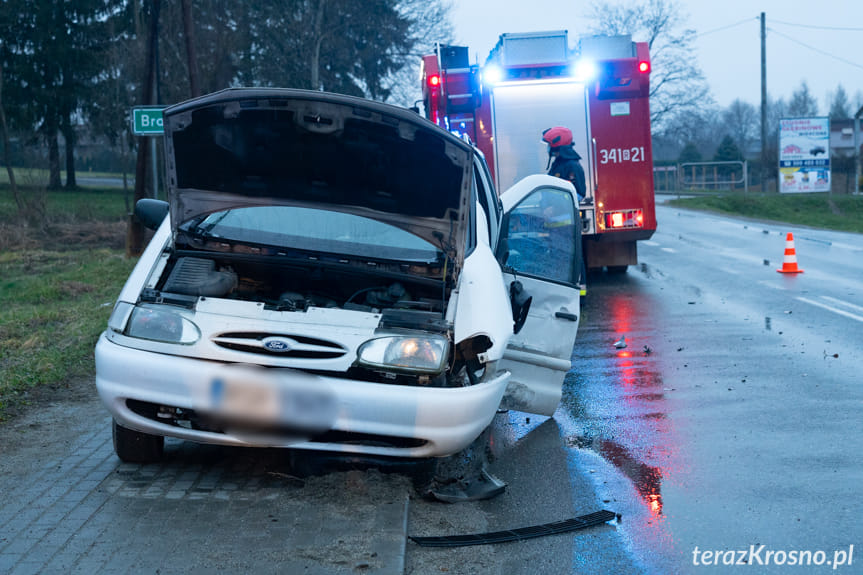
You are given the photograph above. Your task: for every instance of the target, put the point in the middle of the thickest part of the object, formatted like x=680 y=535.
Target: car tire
x=136 y=447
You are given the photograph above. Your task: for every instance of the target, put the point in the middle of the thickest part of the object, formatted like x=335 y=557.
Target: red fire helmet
x=557 y=136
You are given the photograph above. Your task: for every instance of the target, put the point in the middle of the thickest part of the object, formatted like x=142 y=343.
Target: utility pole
x=763 y=104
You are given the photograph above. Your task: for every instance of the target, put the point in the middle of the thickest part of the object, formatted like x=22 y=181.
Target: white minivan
x=336 y=274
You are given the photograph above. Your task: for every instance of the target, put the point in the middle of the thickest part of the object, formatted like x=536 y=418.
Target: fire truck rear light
x=624 y=219
x=434 y=80
x=644 y=67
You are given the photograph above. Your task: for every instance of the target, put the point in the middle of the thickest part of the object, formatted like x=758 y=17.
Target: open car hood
x=246 y=147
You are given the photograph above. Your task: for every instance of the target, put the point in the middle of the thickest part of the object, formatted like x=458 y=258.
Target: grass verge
x=820 y=210
x=53 y=306
x=63 y=206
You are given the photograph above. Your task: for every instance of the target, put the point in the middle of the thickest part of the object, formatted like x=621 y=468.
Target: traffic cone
x=789 y=263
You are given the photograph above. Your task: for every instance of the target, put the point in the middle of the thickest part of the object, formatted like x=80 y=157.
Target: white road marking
x=730 y=271
x=851 y=247
x=842 y=303
x=649 y=243
x=829 y=308
x=669 y=250
x=769 y=284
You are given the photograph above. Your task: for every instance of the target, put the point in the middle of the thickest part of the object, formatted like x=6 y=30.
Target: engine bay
x=286 y=284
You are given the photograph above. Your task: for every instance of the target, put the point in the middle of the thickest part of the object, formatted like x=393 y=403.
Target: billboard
x=804 y=155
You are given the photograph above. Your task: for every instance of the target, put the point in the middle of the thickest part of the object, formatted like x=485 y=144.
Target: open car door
x=540 y=247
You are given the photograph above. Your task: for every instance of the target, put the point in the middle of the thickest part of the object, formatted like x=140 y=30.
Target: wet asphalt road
x=743 y=425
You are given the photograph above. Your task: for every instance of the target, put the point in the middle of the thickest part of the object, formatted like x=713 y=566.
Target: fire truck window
x=541 y=236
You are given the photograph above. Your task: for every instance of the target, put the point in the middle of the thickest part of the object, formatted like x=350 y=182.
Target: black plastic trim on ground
x=596 y=518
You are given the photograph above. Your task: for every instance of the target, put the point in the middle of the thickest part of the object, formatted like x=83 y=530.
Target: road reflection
x=616 y=404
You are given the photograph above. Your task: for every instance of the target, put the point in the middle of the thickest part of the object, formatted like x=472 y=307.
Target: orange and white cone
x=789 y=263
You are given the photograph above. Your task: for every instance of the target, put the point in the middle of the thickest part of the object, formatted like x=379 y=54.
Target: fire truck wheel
x=617 y=269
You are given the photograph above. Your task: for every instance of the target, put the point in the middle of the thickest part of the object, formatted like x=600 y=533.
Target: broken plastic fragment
x=485 y=486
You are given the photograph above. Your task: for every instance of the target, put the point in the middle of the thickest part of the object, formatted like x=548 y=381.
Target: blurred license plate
x=295 y=400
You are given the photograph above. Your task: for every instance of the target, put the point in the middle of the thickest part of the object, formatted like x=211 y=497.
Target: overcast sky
x=730 y=57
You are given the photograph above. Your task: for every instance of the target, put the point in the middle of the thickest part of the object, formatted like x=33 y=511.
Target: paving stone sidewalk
x=71 y=506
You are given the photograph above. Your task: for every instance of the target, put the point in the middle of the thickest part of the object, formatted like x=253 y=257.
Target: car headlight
x=161 y=325
x=425 y=354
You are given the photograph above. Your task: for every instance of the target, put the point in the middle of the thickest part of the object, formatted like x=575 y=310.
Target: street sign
x=147 y=121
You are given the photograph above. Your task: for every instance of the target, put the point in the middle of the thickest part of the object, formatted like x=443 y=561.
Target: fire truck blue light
x=584 y=70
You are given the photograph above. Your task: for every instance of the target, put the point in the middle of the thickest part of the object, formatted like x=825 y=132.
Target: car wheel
x=617 y=269
x=136 y=447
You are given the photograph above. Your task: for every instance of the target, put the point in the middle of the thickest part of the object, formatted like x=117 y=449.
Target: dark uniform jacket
x=567 y=166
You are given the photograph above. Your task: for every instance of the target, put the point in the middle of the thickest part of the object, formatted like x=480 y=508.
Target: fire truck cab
x=534 y=81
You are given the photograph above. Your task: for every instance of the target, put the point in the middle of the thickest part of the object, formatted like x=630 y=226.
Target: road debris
x=484 y=486
x=621 y=343
x=520 y=534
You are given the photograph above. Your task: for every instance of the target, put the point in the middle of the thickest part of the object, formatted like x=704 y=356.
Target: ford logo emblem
x=277 y=344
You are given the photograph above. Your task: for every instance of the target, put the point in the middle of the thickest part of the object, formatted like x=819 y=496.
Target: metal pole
x=763 y=103
x=857 y=150
x=155 y=167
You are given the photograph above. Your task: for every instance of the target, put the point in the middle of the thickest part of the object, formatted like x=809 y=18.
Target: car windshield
x=315 y=230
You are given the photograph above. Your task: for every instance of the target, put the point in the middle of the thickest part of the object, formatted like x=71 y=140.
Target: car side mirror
x=151 y=212
x=520 y=302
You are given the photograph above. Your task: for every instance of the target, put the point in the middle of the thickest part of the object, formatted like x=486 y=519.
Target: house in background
x=842 y=157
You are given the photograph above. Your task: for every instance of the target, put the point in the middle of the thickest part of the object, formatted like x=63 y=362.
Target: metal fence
x=702 y=176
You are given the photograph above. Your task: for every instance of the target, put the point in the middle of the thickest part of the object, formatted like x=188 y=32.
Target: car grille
x=280 y=345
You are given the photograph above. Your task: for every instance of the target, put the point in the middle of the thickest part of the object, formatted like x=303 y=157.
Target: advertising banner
x=804 y=155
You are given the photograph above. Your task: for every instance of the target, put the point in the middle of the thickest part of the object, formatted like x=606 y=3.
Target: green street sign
x=147 y=121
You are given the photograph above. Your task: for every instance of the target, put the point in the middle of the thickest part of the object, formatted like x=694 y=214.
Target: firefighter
x=565 y=162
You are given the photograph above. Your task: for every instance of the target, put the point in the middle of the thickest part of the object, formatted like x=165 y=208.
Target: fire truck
x=534 y=81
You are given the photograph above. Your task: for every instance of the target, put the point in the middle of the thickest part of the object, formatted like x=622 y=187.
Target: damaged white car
x=336 y=274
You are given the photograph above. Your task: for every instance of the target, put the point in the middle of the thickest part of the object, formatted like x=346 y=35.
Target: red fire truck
x=533 y=81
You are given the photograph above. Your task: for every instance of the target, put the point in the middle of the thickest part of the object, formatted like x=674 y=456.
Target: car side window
x=541 y=236
x=482 y=195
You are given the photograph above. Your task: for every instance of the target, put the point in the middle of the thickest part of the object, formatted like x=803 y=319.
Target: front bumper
x=362 y=417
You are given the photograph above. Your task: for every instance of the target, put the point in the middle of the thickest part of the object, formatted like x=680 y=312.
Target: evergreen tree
x=689 y=154
x=727 y=151
x=803 y=104
x=840 y=107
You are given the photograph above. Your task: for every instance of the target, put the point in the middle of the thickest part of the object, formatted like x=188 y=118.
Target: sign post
x=147 y=121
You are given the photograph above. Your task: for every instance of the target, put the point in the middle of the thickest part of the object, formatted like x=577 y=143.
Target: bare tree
x=742 y=121
x=430 y=25
x=676 y=81
x=776 y=110
x=701 y=128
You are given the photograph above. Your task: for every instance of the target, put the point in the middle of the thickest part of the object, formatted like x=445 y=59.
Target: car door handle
x=566 y=315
